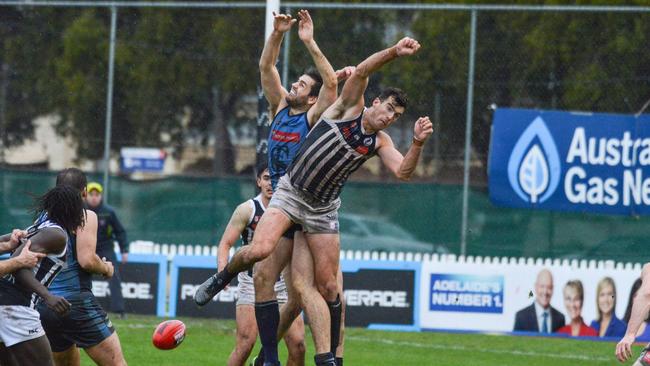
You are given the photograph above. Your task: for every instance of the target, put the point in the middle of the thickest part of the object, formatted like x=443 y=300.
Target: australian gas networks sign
x=570 y=161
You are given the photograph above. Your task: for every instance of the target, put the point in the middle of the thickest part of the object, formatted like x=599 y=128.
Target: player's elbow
x=404 y=177
x=330 y=81
x=265 y=66
x=361 y=71
x=86 y=262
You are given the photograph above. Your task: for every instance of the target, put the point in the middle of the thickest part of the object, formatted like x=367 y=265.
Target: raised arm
x=352 y=93
x=327 y=94
x=271 y=83
x=235 y=227
x=87 y=246
x=404 y=166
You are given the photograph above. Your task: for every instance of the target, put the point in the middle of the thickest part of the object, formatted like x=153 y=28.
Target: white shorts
x=246 y=290
x=19 y=324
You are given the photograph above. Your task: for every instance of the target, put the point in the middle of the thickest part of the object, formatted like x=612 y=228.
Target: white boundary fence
x=171 y=250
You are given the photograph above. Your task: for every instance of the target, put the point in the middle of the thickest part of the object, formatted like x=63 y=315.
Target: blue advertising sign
x=466 y=293
x=586 y=162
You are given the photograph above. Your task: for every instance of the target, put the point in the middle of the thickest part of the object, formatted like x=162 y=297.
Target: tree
x=29 y=46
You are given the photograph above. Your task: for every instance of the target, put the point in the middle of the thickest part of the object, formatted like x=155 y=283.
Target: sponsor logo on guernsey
x=363 y=150
x=282 y=136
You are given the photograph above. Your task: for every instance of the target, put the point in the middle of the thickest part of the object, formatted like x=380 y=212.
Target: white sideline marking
x=482 y=350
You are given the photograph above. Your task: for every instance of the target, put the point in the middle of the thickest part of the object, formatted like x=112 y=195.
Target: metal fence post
x=285 y=55
x=109 y=102
x=468 y=132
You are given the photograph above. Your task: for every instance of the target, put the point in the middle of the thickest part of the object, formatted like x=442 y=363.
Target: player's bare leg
x=108 y=352
x=325 y=265
x=267 y=312
x=69 y=357
x=267 y=234
x=292 y=309
x=33 y=352
x=5 y=357
x=268 y=270
x=302 y=280
x=295 y=330
x=246 y=335
x=295 y=341
x=289 y=312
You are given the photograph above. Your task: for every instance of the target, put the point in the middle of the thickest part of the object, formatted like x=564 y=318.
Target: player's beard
x=295 y=101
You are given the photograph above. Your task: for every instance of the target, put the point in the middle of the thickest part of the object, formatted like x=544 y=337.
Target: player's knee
x=293 y=306
x=328 y=288
x=246 y=340
x=264 y=280
x=260 y=249
x=296 y=346
x=298 y=294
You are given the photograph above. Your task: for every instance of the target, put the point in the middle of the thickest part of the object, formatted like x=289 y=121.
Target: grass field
x=209 y=342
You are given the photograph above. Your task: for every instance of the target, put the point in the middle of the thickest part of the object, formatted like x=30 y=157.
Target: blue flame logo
x=534 y=165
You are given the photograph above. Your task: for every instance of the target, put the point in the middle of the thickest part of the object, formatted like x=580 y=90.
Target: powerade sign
x=587 y=162
x=466 y=293
x=381 y=295
x=186 y=275
x=222 y=306
x=143 y=285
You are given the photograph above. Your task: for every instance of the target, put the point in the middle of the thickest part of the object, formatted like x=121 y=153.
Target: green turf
x=209 y=342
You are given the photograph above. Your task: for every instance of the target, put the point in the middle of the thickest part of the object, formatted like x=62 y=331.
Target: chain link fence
x=186 y=79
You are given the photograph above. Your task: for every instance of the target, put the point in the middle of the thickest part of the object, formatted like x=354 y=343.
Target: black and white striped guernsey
x=258 y=211
x=332 y=151
x=45 y=270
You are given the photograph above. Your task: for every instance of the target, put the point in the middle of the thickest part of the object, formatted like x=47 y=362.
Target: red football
x=169 y=334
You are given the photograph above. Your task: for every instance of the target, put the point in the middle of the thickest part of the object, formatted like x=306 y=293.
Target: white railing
x=170 y=250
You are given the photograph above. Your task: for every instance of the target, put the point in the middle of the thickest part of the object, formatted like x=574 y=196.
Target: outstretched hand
x=283 y=22
x=407 y=46
x=423 y=129
x=305 y=26
x=624 y=348
x=27 y=258
x=16 y=235
x=345 y=73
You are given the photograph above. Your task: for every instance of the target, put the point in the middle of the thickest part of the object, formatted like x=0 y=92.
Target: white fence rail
x=171 y=250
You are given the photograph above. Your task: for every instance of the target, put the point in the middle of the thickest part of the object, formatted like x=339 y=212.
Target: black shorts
x=292 y=230
x=85 y=326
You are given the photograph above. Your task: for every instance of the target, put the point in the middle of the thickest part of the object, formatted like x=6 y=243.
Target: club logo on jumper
x=534 y=164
